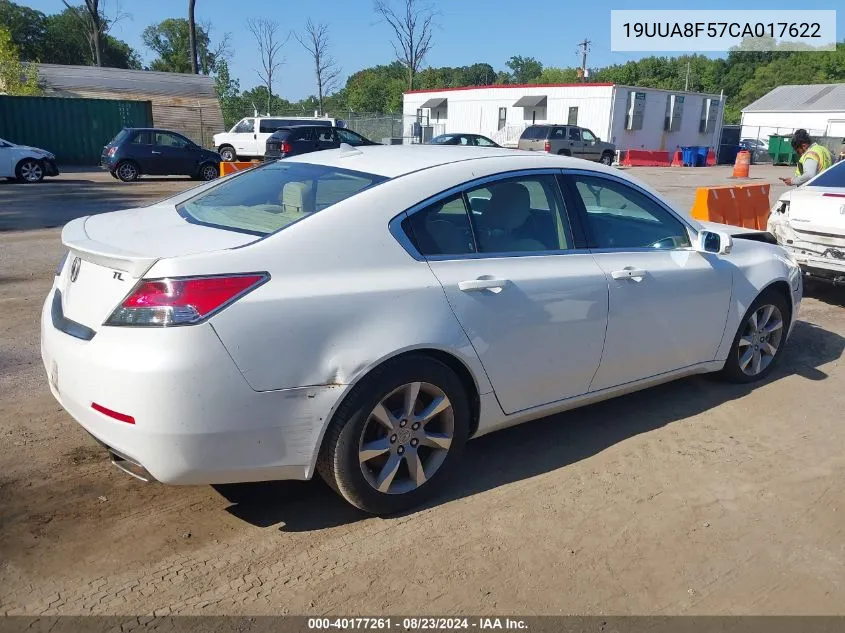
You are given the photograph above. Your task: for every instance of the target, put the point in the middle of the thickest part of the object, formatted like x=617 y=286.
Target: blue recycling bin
x=692 y=156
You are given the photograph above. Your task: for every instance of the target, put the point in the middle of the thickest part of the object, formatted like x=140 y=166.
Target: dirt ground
x=691 y=498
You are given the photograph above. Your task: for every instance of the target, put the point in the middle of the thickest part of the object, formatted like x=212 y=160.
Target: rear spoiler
x=77 y=241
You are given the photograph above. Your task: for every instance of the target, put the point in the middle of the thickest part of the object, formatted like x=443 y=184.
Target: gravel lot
x=691 y=498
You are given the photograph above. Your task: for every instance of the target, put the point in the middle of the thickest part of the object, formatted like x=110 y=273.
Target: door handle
x=154 y=152
x=628 y=273
x=472 y=285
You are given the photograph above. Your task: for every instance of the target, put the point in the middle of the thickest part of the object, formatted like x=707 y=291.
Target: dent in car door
x=534 y=308
x=668 y=303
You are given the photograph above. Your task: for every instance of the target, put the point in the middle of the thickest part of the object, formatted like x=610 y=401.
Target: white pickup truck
x=248 y=138
x=809 y=221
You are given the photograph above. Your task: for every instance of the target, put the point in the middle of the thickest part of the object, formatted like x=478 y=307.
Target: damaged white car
x=809 y=221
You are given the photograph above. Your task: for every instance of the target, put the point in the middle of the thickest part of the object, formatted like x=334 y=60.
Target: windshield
x=442 y=139
x=266 y=199
x=831 y=177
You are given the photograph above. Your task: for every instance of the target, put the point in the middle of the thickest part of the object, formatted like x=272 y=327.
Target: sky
x=468 y=31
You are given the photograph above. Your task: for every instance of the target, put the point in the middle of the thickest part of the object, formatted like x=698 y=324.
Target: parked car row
x=136 y=152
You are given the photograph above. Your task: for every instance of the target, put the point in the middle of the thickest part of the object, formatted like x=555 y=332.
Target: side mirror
x=713 y=242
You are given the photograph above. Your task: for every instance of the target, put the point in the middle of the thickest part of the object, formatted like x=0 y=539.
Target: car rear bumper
x=196 y=420
x=816 y=265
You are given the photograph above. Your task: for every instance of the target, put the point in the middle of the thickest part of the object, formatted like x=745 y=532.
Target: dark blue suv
x=153 y=152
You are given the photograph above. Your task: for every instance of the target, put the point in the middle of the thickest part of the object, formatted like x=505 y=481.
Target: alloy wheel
x=127 y=171
x=760 y=340
x=406 y=438
x=209 y=172
x=31 y=171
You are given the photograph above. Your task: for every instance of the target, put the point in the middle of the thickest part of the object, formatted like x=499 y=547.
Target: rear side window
x=441 y=229
x=304 y=134
x=268 y=126
x=143 y=138
x=266 y=199
x=831 y=177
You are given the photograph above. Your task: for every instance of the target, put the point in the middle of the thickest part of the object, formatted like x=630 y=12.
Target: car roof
x=392 y=161
x=152 y=129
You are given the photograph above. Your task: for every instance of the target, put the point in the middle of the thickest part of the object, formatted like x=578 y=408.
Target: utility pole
x=686 y=83
x=584 y=48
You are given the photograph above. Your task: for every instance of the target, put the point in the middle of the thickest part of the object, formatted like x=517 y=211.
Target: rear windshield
x=266 y=199
x=120 y=136
x=535 y=132
x=831 y=177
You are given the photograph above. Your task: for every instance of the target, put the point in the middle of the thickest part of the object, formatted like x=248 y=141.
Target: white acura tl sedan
x=362 y=313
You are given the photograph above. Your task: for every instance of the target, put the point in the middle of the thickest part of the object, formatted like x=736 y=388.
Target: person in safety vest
x=813 y=158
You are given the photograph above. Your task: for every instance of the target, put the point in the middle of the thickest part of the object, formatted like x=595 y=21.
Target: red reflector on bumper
x=121 y=417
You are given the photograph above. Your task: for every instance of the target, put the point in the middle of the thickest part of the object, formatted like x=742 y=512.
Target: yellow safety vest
x=817 y=152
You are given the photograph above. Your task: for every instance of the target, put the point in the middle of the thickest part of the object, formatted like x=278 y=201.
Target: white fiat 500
x=361 y=313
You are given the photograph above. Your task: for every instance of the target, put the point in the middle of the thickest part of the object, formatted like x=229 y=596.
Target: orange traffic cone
x=742 y=164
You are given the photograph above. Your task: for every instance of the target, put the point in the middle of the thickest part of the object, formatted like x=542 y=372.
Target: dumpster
x=692 y=156
x=780 y=149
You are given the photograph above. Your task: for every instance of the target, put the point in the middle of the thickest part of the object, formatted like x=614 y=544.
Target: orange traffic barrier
x=742 y=164
x=737 y=205
x=231 y=168
x=711 y=157
x=678 y=159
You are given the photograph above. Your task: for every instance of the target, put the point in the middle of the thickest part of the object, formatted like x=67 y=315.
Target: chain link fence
x=769 y=144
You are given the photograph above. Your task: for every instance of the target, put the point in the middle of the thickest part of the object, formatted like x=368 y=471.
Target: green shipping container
x=75 y=130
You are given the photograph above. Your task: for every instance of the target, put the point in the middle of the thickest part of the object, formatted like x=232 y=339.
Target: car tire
x=759 y=340
x=227 y=153
x=208 y=172
x=30 y=170
x=370 y=421
x=127 y=171
x=564 y=152
x=607 y=159
x=113 y=175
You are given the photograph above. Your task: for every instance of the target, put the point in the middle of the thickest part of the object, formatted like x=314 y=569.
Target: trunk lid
x=817 y=214
x=110 y=252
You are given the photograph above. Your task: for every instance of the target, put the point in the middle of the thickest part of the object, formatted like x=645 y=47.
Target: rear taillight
x=547 y=147
x=182 y=301
x=286 y=148
x=111 y=152
x=833 y=195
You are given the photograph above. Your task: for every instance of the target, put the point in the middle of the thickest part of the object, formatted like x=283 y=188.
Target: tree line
x=76 y=36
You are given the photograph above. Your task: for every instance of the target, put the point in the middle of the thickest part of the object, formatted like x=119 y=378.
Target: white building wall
x=652 y=136
x=476 y=110
x=763 y=124
x=601 y=109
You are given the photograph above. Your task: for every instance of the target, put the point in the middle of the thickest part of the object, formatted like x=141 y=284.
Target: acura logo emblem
x=74 y=268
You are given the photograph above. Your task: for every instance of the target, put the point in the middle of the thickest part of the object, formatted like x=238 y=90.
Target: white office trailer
x=630 y=117
x=817 y=108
